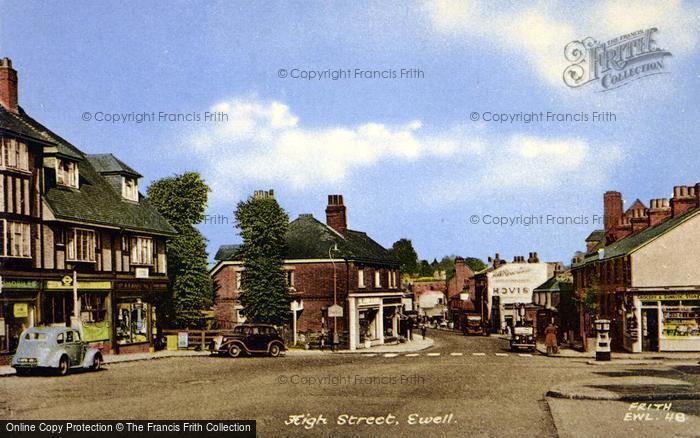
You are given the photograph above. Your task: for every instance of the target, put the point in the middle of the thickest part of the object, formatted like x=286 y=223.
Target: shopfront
x=662 y=322
x=134 y=315
x=373 y=319
x=18 y=311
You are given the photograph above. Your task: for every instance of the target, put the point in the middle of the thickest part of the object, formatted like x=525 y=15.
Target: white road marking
x=456 y=354
x=433 y=354
x=369 y=354
x=501 y=354
x=390 y=355
x=478 y=354
x=525 y=355
x=412 y=355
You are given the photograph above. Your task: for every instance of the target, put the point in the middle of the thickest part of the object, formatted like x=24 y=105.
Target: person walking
x=423 y=329
x=550 y=339
x=323 y=337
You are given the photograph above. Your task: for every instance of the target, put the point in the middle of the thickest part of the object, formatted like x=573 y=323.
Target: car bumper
x=521 y=345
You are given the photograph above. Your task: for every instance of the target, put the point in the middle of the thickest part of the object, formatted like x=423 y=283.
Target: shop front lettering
x=511 y=290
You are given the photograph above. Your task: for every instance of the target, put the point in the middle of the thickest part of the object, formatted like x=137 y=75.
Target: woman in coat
x=550 y=338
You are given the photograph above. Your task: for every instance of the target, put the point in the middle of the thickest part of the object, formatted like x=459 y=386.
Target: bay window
x=141 y=250
x=80 y=245
x=15 y=239
x=67 y=173
x=14 y=154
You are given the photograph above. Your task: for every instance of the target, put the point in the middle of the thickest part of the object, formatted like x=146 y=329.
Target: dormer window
x=67 y=173
x=130 y=188
x=14 y=154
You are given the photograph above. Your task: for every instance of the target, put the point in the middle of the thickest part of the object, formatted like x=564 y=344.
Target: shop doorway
x=650 y=330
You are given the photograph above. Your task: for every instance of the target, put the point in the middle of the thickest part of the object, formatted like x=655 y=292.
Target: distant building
x=367 y=280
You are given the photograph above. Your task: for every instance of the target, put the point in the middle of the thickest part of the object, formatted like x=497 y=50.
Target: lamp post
x=336 y=338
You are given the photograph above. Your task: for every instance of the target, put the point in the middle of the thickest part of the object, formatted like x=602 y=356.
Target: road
x=474 y=385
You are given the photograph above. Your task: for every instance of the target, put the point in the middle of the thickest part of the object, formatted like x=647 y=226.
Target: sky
x=419 y=156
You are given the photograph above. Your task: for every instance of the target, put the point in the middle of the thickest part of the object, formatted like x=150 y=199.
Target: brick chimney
x=262 y=194
x=8 y=85
x=612 y=210
x=659 y=211
x=639 y=220
x=623 y=229
x=684 y=199
x=336 y=216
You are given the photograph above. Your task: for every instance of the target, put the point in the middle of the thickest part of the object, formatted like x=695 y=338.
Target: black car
x=249 y=339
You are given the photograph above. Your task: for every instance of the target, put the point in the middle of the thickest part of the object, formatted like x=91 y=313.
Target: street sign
x=335 y=311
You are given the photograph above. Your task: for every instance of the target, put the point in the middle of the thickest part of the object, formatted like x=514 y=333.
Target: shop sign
x=61 y=285
x=670 y=297
x=335 y=311
x=20 y=284
x=515 y=282
x=21 y=310
x=369 y=301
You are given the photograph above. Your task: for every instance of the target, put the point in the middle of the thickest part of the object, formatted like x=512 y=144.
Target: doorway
x=650 y=330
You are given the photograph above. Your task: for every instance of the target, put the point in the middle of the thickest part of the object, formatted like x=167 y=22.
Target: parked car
x=523 y=336
x=54 y=348
x=249 y=339
x=473 y=325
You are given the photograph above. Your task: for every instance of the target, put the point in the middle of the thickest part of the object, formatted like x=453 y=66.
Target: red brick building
x=320 y=255
x=461 y=293
x=644 y=274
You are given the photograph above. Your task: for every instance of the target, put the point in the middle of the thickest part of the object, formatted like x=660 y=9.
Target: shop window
x=14 y=155
x=141 y=250
x=67 y=173
x=81 y=245
x=93 y=307
x=132 y=323
x=681 y=321
x=58 y=308
x=15 y=239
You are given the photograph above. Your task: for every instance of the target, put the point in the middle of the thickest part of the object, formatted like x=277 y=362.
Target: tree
x=425 y=270
x=265 y=295
x=475 y=264
x=182 y=200
x=402 y=250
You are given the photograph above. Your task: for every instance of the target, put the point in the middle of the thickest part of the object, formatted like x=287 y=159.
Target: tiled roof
x=96 y=202
x=631 y=243
x=596 y=236
x=309 y=238
x=554 y=284
x=109 y=164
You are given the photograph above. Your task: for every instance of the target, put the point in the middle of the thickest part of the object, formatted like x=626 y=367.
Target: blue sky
x=404 y=152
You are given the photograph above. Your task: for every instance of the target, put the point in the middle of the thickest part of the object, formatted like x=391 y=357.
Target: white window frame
x=238 y=280
x=80 y=245
x=361 y=278
x=14 y=154
x=67 y=178
x=377 y=279
x=289 y=277
x=130 y=193
x=141 y=251
x=8 y=230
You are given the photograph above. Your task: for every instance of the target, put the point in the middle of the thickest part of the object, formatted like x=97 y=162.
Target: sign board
x=141 y=273
x=20 y=284
x=182 y=340
x=513 y=283
x=21 y=310
x=668 y=297
x=60 y=285
x=335 y=311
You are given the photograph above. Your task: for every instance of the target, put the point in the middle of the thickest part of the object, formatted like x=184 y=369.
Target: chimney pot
x=336 y=214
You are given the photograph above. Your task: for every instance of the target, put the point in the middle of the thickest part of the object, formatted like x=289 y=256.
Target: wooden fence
x=196 y=339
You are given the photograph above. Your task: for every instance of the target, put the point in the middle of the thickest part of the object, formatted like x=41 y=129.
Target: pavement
x=417 y=344
x=645 y=357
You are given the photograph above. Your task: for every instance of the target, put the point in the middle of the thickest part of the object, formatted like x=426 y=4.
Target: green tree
x=402 y=250
x=475 y=264
x=182 y=200
x=425 y=270
x=265 y=295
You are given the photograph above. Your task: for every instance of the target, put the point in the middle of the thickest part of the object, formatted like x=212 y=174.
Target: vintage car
x=54 y=348
x=523 y=337
x=473 y=325
x=248 y=339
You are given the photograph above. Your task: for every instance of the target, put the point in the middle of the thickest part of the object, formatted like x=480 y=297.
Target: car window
x=35 y=336
x=69 y=336
x=60 y=338
x=254 y=330
x=76 y=336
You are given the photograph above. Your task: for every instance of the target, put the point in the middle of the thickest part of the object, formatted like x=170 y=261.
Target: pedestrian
x=550 y=339
x=409 y=329
x=322 y=339
x=423 y=329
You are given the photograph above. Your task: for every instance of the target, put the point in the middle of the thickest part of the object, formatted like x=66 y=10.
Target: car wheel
x=234 y=351
x=63 y=366
x=96 y=362
x=275 y=350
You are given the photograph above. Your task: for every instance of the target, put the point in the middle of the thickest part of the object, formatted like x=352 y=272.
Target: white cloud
x=265 y=143
x=538 y=34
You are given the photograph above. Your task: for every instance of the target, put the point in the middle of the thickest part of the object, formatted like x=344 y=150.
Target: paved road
x=495 y=393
